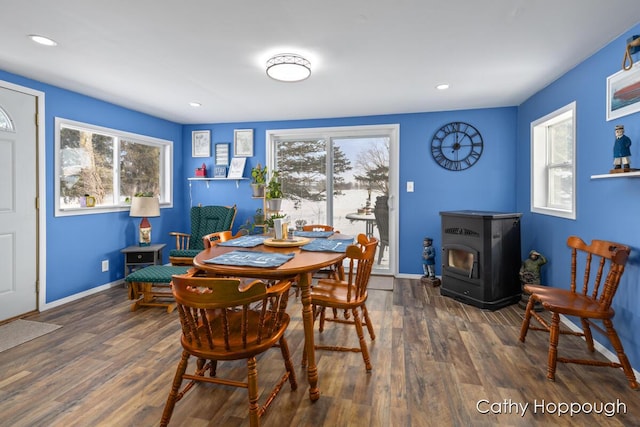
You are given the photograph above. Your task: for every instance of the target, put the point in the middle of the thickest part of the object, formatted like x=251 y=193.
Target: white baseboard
x=74 y=297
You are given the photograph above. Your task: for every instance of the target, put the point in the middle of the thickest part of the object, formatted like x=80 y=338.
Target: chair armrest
x=182 y=240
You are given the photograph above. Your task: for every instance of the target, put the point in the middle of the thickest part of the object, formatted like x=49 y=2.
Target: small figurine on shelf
x=429 y=262
x=530 y=273
x=621 y=151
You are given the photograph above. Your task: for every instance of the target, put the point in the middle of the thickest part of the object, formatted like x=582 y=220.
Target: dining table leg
x=304 y=282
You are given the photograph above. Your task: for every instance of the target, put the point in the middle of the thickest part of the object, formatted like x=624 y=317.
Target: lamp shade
x=145 y=207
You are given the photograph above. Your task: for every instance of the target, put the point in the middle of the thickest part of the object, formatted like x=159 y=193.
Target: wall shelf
x=206 y=180
x=617 y=175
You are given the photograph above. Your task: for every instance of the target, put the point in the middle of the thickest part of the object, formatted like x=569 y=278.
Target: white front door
x=18 y=211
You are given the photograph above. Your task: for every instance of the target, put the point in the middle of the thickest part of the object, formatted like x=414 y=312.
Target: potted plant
x=258 y=218
x=273 y=192
x=269 y=221
x=258 y=180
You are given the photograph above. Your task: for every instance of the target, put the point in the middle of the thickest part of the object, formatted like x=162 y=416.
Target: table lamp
x=145 y=207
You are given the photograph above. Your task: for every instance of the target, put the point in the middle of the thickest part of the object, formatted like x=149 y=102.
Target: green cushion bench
x=149 y=285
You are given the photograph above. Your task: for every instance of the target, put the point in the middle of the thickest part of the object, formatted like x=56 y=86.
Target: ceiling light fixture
x=45 y=41
x=442 y=86
x=288 y=67
x=195 y=104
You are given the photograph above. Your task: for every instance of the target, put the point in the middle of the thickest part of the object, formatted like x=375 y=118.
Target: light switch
x=409 y=186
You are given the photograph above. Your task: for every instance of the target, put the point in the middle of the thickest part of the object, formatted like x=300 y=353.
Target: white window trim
x=538 y=167
x=167 y=161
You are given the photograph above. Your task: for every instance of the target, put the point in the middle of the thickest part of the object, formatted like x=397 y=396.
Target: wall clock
x=456 y=146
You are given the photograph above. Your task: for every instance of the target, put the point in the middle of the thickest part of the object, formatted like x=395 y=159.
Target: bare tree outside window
x=108 y=165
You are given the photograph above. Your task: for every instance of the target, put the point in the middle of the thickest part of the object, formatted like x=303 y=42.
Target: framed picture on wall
x=222 y=154
x=201 y=143
x=243 y=143
x=623 y=93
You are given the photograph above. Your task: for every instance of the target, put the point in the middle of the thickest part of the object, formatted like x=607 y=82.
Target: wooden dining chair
x=220 y=236
x=349 y=294
x=228 y=319
x=603 y=263
x=318 y=227
x=333 y=271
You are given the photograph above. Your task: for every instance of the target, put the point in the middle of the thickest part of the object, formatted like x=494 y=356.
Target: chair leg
x=363 y=343
x=527 y=320
x=173 y=394
x=622 y=357
x=252 y=388
x=554 y=333
x=381 y=252
x=586 y=329
x=322 y=317
x=367 y=322
x=284 y=349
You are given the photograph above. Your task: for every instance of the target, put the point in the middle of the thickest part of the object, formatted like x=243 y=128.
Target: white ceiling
x=368 y=57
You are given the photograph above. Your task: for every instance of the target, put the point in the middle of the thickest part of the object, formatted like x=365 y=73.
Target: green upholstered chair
x=204 y=220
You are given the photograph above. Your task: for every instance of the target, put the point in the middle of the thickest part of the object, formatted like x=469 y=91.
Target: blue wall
x=488 y=185
x=606 y=208
x=499 y=181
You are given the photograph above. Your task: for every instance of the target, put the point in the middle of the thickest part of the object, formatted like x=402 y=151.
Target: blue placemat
x=244 y=241
x=327 y=245
x=251 y=259
x=321 y=234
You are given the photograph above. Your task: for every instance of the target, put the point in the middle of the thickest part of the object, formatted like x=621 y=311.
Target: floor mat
x=20 y=331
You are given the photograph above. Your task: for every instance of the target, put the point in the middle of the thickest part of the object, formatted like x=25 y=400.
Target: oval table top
x=302 y=262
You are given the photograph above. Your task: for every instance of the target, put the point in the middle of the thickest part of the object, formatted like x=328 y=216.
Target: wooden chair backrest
x=360 y=256
x=317 y=227
x=224 y=314
x=212 y=239
x=601 y=260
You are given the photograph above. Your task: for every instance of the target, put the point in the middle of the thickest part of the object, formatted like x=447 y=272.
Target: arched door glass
x=5 y=122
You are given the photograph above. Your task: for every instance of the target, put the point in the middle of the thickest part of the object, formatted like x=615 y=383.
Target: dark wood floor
x=433 y=360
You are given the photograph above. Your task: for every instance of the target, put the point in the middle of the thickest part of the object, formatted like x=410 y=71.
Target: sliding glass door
x=341 y=177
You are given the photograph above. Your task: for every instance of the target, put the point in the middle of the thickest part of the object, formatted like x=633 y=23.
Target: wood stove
x=481 y=257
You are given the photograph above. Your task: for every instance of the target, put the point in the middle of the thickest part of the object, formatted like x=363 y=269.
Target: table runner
x=251 y=259
x=244 y=241
x=328 y=245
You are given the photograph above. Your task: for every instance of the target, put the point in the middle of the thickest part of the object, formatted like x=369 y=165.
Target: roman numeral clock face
x=456 y=146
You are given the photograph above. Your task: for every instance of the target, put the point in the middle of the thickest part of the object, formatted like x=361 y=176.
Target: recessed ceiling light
x=45 y=41
x=288 y=67
x=442 y=86
x=195 y=104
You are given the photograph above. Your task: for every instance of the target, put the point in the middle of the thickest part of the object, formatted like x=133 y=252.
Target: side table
x=141 y=256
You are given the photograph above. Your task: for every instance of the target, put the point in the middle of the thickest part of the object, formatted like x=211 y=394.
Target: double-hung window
x=108 y=167
x=553 y=177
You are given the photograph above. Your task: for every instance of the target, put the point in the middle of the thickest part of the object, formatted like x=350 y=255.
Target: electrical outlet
x=105 y=265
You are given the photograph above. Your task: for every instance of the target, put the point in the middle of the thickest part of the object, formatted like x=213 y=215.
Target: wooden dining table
x=300 y=268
